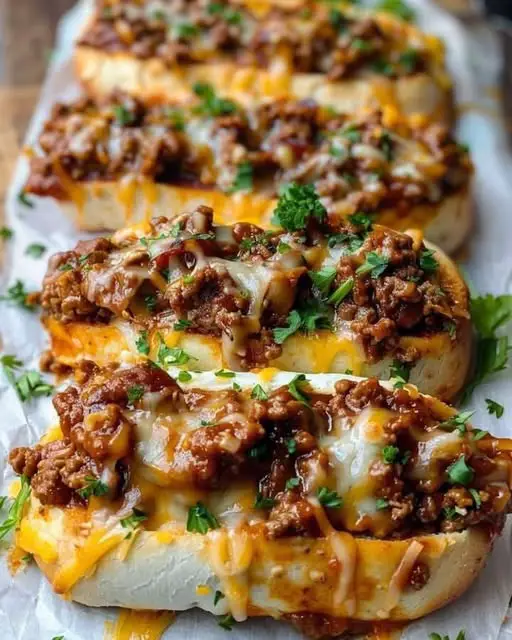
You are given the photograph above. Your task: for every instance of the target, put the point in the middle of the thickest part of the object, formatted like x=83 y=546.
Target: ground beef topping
x=369 y=161
x=254 y=289
x=338 y=42
x=293 y=446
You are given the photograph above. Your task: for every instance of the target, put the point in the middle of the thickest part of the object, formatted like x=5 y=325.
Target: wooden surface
x=27 y=31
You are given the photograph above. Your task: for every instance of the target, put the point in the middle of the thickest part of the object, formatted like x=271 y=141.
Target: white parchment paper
x=28 y=608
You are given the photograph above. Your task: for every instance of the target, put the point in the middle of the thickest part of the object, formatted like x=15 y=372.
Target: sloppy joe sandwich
x=316 y=296
x=118 y=162
x=342 y=56
x=332 y=502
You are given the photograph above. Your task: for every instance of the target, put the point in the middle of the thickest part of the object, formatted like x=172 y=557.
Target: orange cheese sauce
x=139 y=625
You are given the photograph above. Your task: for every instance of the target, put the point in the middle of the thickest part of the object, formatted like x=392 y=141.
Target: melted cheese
x=37 y=541
x=139 y=625
x=95 y=547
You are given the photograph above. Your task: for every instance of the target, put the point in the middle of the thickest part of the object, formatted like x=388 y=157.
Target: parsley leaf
x=185 y=30
x=297 y=204
x=494 y=408
x=181 y=325
x=16 y=509
x=292 y=483
x=123 y=115
x=18 y=295
x=374 y=264
x=323 y=279
x=458 y=421
x=427 y=261
x=231 y=16
x=294 y=387
x=133 y=521
x=398 y=8
x=184 y=376
x=177 y=118
x=459 y=472
x=35 y=250
x=310 y=317
x=227 y=622
x=200 y=519
x=223 y=373
x=211 y=104
x=9 y=364
x=94 y=487
x=490 y=312
x=263 y=503
x=360 y=219
x=218 y=596
x=342 y=291
x=390 y=454
x=134 y=393
x=6 y=233
x=243 y=178
x=381 y=504
x=259 y=393
x=399 y=373
x=329 y=498
x=31 y=385
x=291 y=445
x=142 y=343
x=23 y=200
x=169 y=356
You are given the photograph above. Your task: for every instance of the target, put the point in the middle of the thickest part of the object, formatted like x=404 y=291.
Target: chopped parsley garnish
x=427 y=261
x=236 y=387
x=223 y=373
x=374 y=264
x=135 y=393
x=476 y=498
x=399 y=373
x=263 y=503
x=351 y=241
x=390 y=454
x=169 y=356
x=188 y=279
x=150 y=302
x=494 y=408
x=459 y=472
x=291 y=445
x=259 y=451
x=297 y=204
x=282 y=247
x=6 y=233
x=184 y=376
x=181 y=325
x=294 y=387
x=211 y=104
x=9 y=365
x=398 y=8
x=342 y=291
x=142 y=343
x=450 y=513
x=31 y=385
x=323 y=279
x=386 y=146
x=381 y=504
x=292 y=483
x=133 y=521
x=18 y=295
x=409 y=60
x=253 y=241
x=16 y=509
x=489 y=313
x=227 y=622
x=478 y=434
x=94 y=487
x=351 y=133
x=259 y=393
x=123 y=115
x=361 y=45
x=217 y=597
x=458 y=421
x=35 y=250
x=437 y=636
x=243 y=178
x=177 y=118
x=360 y=219
x=23 y=200
x=309 y=318
x=200 y=519
x=337 y=20
x=186 y=30
x=329 y=498
x=230 y=15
